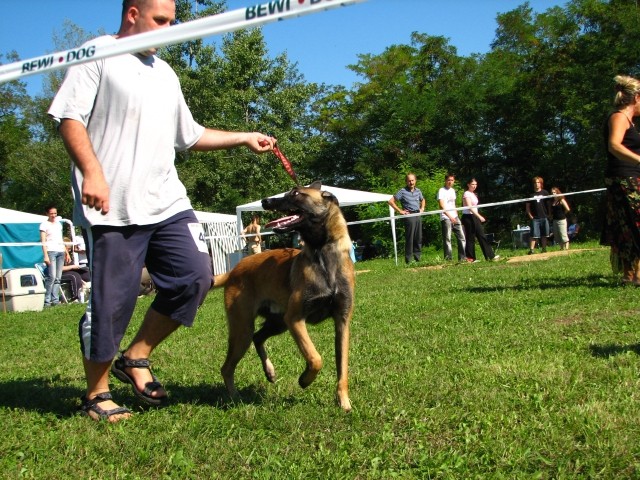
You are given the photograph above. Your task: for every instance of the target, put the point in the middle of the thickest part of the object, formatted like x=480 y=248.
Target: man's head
x=411 y=181
x=449 y=180
x=538 y=184
x=139 y=16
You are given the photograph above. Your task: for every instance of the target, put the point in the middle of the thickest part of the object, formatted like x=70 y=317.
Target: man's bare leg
x=154 y=329
x=97 y=375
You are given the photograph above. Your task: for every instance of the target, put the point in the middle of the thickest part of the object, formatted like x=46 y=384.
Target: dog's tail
x=219 y=280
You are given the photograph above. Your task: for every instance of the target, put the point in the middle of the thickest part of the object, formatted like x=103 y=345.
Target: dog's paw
x=344 y=403
x=269 y=370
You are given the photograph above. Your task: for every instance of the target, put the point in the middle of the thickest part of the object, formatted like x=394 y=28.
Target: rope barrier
x=374 y=220
x=434 y=212
x=252 y=16
x=479 y=206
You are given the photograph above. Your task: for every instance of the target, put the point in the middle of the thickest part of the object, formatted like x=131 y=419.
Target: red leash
x=284 y=160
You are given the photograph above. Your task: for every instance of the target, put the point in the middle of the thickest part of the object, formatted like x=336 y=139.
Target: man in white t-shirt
x=122 y=119
x=449 y=219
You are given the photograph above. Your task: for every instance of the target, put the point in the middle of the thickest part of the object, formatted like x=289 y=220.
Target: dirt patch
x=430 y=267
x=358 y=272
x=545 y=256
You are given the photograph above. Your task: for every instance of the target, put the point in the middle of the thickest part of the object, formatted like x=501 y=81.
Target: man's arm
x=443 y=205
x=220 y=140
x=394 y=205
x=95 y=191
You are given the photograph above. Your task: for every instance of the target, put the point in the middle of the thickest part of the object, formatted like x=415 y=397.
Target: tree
x=238 y=87
x=14 y=130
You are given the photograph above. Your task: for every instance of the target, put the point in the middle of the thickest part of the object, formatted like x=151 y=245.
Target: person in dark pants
x=412 y=201
x=122 y=119
x=538 y=211
x=472 y=222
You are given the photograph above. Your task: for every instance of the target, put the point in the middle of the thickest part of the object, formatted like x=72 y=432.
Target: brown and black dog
x=290 y=288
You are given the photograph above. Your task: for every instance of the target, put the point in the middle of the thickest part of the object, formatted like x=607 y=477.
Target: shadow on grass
x=215 y=395
x=36 y=394
x=550 y=284
x=612 y=349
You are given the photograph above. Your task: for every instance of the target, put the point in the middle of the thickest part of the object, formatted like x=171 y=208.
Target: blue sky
x=322 y=44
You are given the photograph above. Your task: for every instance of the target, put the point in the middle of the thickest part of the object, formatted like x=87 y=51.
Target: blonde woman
x=254 y=240
x=622 y=178
x=559 y=210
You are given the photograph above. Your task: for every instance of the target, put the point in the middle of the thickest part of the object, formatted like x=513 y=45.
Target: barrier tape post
x=252 y=16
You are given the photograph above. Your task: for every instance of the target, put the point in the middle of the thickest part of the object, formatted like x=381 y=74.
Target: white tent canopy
x=15 y=216
x=345 y=197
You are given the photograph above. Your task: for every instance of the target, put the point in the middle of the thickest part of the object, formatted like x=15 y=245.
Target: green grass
x=490 y=370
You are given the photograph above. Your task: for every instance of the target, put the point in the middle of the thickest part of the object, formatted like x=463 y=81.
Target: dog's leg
x=240 y=333
x=342 y=361
x=298 y=330
x=273 y=326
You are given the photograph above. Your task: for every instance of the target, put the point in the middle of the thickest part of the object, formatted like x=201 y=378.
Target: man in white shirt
x=122 y=119
x=449 y=219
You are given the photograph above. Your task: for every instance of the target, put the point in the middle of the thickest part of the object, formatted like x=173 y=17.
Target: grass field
x=490 y=370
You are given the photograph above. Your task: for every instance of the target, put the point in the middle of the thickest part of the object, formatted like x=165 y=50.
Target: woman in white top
x=55 y=254
x=472 y=222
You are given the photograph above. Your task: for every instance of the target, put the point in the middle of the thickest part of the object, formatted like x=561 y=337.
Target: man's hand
x=95 y=192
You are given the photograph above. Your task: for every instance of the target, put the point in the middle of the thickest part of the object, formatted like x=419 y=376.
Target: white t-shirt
x=136 y=117
x=449 y=197
x=54 y=240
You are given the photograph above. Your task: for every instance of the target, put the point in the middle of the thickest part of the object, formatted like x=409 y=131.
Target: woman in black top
x=559 y=210
x=622 y=178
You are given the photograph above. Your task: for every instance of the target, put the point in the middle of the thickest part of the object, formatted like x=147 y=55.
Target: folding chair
x=42 y=268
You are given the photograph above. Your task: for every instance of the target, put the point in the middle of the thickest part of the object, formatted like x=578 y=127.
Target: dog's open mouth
x=284 y=223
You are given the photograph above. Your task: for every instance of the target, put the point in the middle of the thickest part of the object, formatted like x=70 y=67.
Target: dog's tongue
x=282 y=221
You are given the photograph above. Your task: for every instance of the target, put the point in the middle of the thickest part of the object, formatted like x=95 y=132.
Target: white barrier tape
x=31 y=244
x=479 y=206
x=253 y=16
x=437 y=212
x=374 y=220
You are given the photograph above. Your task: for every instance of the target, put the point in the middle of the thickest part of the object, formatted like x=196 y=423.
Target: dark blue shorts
x=539 y=228
x=176 y=256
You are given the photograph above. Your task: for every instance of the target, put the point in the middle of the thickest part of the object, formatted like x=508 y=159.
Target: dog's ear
x=329 y=197
x=317 y=185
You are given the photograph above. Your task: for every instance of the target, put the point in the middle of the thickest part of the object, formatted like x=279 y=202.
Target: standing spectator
x=622 y=178
x=254 y=241
x=449 y=220
x=559 y=210
x=55 y=255
x=538 y=211
x=472 y=222
x=412 y=201
x=122 y=119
